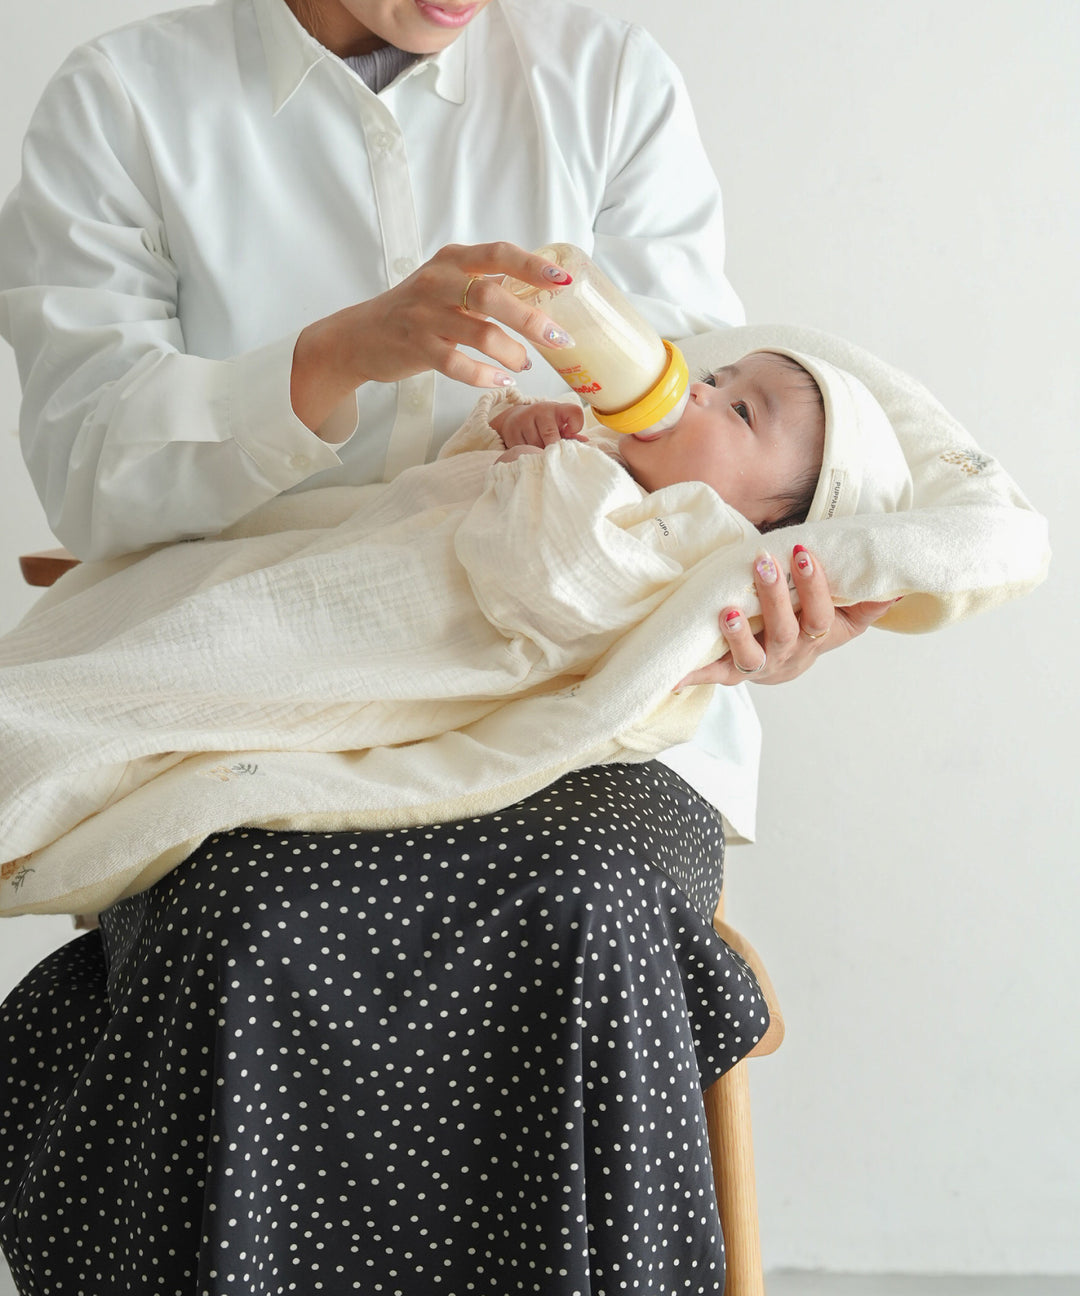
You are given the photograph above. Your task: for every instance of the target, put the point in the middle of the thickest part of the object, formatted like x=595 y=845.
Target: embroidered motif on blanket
x=226 y=773
x=967 y=461
x=16 y=871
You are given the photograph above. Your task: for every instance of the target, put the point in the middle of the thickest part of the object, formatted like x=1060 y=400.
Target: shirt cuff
x=263 y=422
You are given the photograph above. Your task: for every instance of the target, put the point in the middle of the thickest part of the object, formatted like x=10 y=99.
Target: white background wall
x=904 y=174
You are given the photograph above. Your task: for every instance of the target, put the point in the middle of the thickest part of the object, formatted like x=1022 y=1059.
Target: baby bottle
x=634 y=381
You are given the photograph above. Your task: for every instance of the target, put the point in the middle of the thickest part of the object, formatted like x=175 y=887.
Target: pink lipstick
x=443 y=16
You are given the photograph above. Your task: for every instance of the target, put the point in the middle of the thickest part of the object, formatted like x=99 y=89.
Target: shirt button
x=300 y=462
x=382 y=141
x=404 y=266
x=417 y=400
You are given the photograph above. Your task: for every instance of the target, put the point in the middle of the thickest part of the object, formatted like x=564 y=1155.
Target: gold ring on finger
x=818 y=634
x=465 y=294
x=753 y=670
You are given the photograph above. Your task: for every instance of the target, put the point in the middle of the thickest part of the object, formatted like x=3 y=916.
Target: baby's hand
x=542 y=424
x=515 y=452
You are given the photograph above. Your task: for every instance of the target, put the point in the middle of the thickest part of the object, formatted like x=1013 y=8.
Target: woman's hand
x=456 y=299
x=789 y=643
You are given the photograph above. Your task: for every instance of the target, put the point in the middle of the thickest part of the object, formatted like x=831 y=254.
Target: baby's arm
x=529 y=429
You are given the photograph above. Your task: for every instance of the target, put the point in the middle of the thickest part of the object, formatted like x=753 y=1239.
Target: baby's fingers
x=571 y=421
x=547 y=425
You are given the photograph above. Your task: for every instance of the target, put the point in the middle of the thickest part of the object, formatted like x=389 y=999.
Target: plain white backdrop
x=906 y=175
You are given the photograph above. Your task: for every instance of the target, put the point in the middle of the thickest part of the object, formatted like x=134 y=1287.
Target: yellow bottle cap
x=656 y=403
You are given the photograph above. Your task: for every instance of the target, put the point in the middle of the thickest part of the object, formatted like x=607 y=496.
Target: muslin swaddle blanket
x=438 y=646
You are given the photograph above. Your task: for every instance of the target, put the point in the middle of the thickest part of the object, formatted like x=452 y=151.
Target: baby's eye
x=742 y=409
x=710 y=379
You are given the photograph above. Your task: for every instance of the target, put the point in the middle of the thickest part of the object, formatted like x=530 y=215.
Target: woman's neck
x=333 y=26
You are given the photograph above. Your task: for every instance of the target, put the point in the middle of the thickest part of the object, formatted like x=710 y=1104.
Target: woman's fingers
x=746 y=658
x=816 y=611
x=489 y=298
x=484 y=267
x=821 y=623
x=448 y=360
x=780 y=633
x=788 y=642
x=747 y=654
x=456 y=299
x=861 y=616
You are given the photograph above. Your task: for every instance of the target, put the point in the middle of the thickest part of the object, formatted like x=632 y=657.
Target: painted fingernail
x=733 y=620
x=803 y=560
x=525 y=366
x=557 y=275
x=557 y=336
x=502 y=380
x=766 y=569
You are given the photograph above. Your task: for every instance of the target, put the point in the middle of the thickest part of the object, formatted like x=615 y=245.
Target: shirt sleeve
x=130 y=441
x=660 y=232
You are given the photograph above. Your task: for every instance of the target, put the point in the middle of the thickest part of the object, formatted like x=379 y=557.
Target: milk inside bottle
x=634 y=380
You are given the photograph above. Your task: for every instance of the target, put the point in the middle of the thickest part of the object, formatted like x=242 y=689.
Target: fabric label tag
x=836 y=487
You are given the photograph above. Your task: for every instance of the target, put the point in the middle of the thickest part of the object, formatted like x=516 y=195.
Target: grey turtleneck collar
x=379 y=68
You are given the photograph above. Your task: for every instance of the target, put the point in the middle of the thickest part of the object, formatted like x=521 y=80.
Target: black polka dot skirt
x=452 y=1059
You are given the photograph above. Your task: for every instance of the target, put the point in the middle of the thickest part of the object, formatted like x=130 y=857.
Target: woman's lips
x=443 y=16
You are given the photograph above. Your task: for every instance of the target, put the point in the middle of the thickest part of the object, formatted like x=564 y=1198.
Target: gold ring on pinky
x=752 y=670
x=465 y=294
x=820 y=634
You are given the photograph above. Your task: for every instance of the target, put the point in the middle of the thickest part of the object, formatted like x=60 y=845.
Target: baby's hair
x=796 y=499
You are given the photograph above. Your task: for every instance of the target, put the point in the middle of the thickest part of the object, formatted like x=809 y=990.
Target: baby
x=470 y=620
x=782 y=437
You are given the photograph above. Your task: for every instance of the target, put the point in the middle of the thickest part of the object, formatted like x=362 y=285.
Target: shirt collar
x=291 y=52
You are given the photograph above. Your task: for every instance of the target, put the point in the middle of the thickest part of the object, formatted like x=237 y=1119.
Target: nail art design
x=766 y=569
x=733 y=620
x=803 y=560
x=558 y=337
x=557 y=275
x=502 y=380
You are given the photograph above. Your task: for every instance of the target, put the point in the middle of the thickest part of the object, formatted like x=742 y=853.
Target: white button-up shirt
x=199 y=186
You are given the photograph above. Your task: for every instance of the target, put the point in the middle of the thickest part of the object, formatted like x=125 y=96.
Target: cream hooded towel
x=442 y=645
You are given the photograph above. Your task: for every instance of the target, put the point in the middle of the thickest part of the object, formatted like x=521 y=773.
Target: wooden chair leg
x=727 y=1110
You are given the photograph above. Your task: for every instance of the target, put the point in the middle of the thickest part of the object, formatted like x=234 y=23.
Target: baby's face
x=750 y=431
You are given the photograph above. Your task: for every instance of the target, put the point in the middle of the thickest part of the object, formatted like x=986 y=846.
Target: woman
x=256 y=248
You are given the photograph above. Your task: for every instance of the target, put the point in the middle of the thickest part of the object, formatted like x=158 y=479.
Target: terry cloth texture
x=466 y=1058
x=465 y=635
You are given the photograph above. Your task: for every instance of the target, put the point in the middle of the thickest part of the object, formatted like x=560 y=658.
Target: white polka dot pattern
x=456 y=1059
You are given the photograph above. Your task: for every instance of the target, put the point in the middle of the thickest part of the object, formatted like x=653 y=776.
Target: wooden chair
x=727 y=1102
